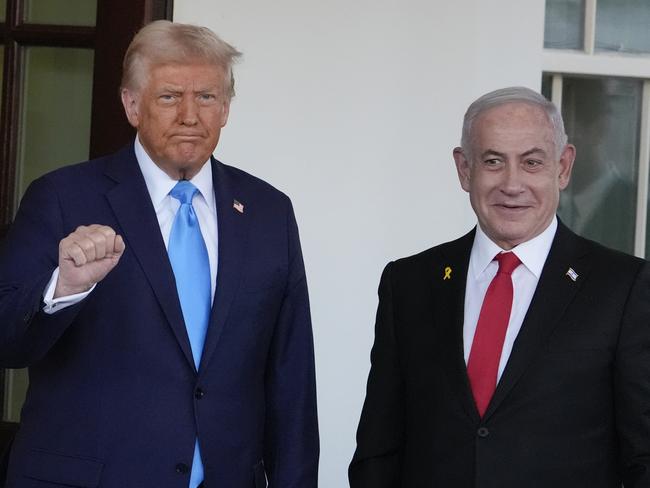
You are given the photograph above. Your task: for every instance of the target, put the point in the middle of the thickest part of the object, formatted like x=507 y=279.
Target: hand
x=85 y=257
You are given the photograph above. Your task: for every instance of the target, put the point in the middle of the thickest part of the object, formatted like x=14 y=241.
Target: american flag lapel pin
x=237 y=205
x=572 y=274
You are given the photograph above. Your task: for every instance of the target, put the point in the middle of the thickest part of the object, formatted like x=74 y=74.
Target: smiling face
x=514 y=176
x=178 y=114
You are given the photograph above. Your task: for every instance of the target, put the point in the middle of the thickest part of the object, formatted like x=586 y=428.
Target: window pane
x=55 y=112
x=602 y=119
x=64 y=12
x=564 y=24
x=623 y=25
x=547 y=86
x=16 y=381
x=55 y=130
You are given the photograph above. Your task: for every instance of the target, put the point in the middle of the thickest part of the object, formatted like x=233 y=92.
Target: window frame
x=590 y=62
x=117 y=22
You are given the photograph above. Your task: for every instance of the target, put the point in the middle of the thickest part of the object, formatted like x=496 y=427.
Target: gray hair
x=513 y=94
x=164 y=42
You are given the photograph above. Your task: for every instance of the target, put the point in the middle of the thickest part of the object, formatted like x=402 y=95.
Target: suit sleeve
x=632 y=384
x=28 y=256
x=291 y=444
x=377 y=459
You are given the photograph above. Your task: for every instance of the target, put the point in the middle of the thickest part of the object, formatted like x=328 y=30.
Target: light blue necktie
x=189 y=259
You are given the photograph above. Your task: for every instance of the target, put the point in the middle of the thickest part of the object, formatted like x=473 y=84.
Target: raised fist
x=85 y=257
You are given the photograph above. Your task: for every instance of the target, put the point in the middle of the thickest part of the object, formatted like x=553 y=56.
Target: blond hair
x=164 y=42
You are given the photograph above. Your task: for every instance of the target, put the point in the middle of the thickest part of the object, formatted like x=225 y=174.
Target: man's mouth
x=513 y=207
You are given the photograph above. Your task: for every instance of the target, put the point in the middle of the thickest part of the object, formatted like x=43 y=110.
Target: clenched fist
x=85 y=257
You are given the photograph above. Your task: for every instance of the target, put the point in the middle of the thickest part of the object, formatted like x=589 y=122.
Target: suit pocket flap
x=64 y=470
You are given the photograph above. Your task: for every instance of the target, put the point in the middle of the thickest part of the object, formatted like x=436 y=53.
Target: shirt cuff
x=53 y=305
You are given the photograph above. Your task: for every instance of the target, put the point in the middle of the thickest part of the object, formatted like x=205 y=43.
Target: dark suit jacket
x=114 y=398
x=572 y=408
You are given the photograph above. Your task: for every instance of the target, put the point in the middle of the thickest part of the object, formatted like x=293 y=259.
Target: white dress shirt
x=159 y=184
x=483 y=267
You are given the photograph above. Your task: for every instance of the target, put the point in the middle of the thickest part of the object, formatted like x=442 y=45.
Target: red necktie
x=485 y=354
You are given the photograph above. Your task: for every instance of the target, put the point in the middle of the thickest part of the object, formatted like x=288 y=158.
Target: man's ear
x=567 y=158
x=130 y=104
x=225 y=112
x=463 y=168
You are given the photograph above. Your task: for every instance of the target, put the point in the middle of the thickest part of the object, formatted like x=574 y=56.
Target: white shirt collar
x=532 y=253
x=160 y=183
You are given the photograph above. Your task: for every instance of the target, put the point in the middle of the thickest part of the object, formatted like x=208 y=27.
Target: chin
x=513 y=237
x=188 y=162
x=191 y=154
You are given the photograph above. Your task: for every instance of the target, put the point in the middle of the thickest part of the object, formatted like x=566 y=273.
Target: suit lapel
x=233 y=228
x=455 y=256
x=555 y=290
x=134 y=211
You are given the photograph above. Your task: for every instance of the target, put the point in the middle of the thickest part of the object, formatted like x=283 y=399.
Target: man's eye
x=206 y=98
x=491 y=162
x=533 y=163
x=166 y=98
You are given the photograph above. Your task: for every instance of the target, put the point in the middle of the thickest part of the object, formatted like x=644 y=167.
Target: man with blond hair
x=519 y=354
x=159 y=299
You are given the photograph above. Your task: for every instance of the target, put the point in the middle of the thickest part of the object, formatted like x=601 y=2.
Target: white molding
x=600 y=64
x=644 y=174
x=556 y=91
x=590 y=26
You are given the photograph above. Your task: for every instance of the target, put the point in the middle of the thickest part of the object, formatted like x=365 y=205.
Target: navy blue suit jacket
x=114 y=399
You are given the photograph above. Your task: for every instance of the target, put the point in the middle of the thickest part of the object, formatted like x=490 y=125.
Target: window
x=597 y=69
x=564 y=24
x=60 y=71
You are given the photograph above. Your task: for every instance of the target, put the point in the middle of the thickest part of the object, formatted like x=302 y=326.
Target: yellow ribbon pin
x=447 y=273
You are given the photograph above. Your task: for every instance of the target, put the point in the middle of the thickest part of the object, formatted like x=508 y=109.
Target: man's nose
x=512 y=179
x=187 y=111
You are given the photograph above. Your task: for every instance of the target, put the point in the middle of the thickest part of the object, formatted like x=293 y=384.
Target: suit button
x=199 y=393
x=182 y=468
x=483 y=432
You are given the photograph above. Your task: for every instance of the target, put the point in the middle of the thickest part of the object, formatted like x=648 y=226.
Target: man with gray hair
x=519 y=354
x=159 y=299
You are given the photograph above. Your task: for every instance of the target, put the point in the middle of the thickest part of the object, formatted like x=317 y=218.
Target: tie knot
x=184 y=191
x=508 y=262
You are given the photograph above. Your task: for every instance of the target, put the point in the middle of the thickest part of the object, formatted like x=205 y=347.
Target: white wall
x=353 y=108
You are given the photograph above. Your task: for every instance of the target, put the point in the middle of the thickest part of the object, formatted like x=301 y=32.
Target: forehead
x=185 y=73
x=516 y=124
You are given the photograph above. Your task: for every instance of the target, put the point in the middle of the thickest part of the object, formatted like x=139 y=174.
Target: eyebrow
x=170 y=88
x=493 y=152
x=535 y=150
